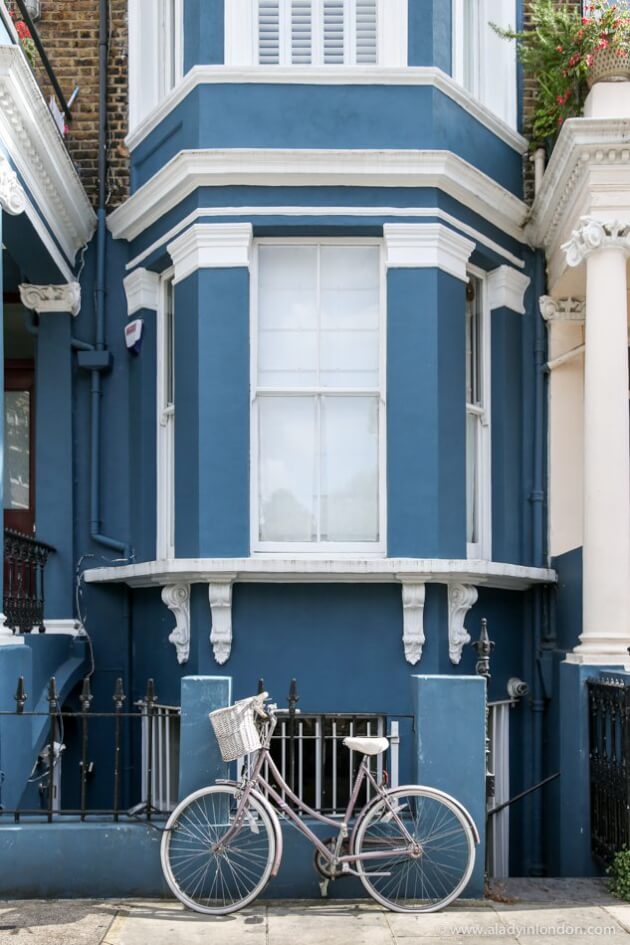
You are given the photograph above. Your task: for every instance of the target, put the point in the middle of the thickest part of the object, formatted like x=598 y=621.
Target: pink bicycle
x=412 y=847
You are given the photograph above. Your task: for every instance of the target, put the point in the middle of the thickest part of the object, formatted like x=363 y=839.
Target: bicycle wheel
x=217 y=879
x=438 y=845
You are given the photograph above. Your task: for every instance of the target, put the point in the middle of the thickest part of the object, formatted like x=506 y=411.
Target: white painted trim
x=211 y=246
x=328 y=75
x=44 y=234
x=281 y=569
x=45 y=299
x=32 y=141
x=220 y=598
x=177 y=599
x=461 y=597
x=142 y=289
x=427 y=246
x=483 y=548
x=12 y=194
x=151 y=46
x=507 y=288
x=375 y=548
x=413 y=596
x=443 y=170
x=165 y=431
x=266 y=211
x=65 y=627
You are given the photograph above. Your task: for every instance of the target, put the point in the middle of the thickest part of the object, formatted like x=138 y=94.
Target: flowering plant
x=559 y=51
x=26 y=40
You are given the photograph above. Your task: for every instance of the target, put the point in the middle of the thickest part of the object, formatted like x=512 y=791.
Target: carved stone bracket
x=461 y=598
x=52 y=298
x=12 y=194
x=413 y=620
x=594 y=234
x=562 y=310
x=220 y=597
x=177 y=599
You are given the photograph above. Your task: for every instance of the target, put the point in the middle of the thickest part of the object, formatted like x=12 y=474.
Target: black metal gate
x=609 y=754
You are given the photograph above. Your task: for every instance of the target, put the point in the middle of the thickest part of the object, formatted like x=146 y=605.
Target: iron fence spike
x=119 y=694
x=53 y=698
x=86 y=694
x=20 y=695
x=150 y=696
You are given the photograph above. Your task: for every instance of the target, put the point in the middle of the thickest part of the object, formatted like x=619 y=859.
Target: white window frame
x=375 y=549
x=482 y=548
x=165 y=437
x=241 y=47
x=156 y=55
x=487 y=70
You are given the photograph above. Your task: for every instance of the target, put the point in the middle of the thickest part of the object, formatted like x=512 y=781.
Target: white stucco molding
x=426 y=246
x=562 y=310
x=52 y=298
x=507 y=288
x=68 y=626
x=12 y=194
x=461 y=597
x=33 y=143
x=211 y=246
x=324 y=570
x=142 y=290
x=281 y=167
x=592 y=235
x=329 y=75
x=220 y=597
x=413 y=595
x=177 y=599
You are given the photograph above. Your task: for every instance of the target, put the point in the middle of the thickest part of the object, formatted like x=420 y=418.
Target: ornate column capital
x=562 y=310
x=594 y=234
x=12 y=194
x=177 y=599
x=52 y=298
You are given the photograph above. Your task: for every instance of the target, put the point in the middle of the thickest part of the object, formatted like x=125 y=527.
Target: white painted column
x=606 y=553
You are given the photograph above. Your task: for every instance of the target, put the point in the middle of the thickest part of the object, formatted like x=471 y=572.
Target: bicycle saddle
x=367 y=745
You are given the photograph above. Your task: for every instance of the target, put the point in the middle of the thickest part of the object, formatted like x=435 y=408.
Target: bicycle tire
x=223 y=881
x=443 y=859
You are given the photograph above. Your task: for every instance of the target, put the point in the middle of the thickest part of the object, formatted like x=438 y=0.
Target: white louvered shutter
x=317 y=32
x=269 y=32
x=301 y=32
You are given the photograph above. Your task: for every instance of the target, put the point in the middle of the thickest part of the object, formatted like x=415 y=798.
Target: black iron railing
x=148 y=733
x=50 y=72
x=609 y=753
x=24 y=564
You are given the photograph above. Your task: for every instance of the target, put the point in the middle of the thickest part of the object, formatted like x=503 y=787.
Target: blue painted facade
x=340 y=637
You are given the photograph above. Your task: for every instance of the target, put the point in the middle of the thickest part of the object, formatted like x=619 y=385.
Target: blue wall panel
x=203 y=32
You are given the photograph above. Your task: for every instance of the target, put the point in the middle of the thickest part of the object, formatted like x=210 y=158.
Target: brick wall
x=69 y=32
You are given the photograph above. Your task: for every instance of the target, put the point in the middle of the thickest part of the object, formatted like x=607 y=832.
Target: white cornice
x=426 y=245
x=142 y=290
x=31 y=139
x=507 y=288
x=52 y=298
x=588 y=174
x=211 y=246
x=190 y=170
x=323 y=570
x=328 y=75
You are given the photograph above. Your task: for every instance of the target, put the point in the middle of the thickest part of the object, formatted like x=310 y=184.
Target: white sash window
x=318 y=397
x=166 y=419
x=303 y=33
x=155 y=54
x=478 y=456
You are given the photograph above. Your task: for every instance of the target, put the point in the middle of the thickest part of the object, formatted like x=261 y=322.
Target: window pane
x=473 y=343
x=287 y=468
x=17 y=406
x=287 y=316
x=472 y=464
x=349 y=469
x=350 y=299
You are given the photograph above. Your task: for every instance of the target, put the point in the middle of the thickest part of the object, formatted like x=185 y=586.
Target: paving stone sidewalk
x=525 y=912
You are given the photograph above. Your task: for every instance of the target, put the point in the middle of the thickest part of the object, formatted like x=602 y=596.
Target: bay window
x=478 y=459
x=155 y=54
x=318 y=397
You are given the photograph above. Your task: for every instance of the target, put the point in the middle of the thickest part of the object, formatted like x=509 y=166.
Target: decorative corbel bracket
x=12 y=194
x=220 y=597
x=461 y=598
x=177 y=599
x=413 y=595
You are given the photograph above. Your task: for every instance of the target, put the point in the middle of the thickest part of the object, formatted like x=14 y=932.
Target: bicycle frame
x=260 y=785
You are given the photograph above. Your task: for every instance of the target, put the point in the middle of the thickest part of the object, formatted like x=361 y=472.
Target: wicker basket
x=609 y=67
x=236 y=732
